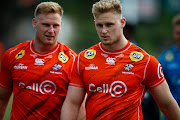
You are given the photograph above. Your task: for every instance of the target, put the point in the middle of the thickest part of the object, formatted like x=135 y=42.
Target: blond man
x=37 y=72
x=115 y=74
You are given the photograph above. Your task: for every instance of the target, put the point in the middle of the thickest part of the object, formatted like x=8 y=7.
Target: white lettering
x=39 y=61
x=116 y=89
x=46 y=87
x=110 y=61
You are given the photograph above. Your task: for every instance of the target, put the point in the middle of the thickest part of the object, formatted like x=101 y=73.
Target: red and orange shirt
x=115 y=81
x=39 y=81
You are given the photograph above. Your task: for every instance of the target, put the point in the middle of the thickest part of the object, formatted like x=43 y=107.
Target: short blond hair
x=48 y=7
x=176 y=20
x=106 y=6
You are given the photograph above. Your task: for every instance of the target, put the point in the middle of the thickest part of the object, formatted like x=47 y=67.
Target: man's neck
x=43 y=48
x=116 y=46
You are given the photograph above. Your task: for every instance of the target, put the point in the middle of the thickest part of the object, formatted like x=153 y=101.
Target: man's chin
x=50 y=42
x=106 y=42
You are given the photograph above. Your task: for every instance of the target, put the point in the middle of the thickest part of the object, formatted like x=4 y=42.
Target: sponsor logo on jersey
x=20 y=54
x=90 y=54
x=91 y=67
x=128 y=68
x=160 y=71
x=110 y=61
x=63 y=57
x=39 y=61
x=20 y=66
x=49 y=56
x=169 y=56
x=105 y=55
x=116 y=89
x=33 y=55
x=56 y=69
x=120 y=55
x=46 y=87
x=136 y=56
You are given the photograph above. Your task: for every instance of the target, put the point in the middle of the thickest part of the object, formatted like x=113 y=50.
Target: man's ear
x=123 y=22
x=34 y=22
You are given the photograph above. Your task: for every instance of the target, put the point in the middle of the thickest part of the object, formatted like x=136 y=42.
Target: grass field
x=8 y=110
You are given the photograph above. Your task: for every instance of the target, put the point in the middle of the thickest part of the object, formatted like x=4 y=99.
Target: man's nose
x=51 y=29
x=104 y=29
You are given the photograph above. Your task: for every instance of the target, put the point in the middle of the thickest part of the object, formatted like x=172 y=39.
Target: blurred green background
x=152 y=19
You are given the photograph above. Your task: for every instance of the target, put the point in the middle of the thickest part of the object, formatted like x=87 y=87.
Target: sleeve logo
x=136 y=56
x=90 y=54
x=160 y=71
x=63 y=57
x=20 y=54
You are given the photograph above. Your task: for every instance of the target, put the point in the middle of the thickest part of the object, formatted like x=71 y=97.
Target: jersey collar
x=116 y=51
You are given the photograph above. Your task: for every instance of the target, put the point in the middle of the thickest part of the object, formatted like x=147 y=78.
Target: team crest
x=20 y=54
x=169 y=56
x=136 y=56
x=90 y=54
x=63 y=57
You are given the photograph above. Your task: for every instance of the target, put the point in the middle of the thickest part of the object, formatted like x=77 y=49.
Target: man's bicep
x=75 y=94
x=72 y=103
x=162 y=95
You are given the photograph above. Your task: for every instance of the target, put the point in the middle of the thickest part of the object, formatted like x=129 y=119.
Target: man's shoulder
x=19 y=46
x=66 y=50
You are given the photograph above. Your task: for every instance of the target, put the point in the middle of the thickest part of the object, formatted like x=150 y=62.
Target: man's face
x=47 y=28
x=176 y=34
x=109 y=27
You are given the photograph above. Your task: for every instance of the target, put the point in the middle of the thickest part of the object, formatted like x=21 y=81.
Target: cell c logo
x=160 y=71
x=47 y=87
x=117 y=89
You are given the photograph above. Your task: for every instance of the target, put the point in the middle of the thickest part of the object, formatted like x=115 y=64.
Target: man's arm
x=4 y=99
x=82 y=111
x=72 y=103
x=165 y=101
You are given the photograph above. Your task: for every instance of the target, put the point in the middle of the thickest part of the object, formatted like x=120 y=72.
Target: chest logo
x=20 y=54
x=110 y=61
x=128 y=67
x=136 y=56
x=90 y=54
x=56 y=68
x=115 y=89
x=20 y=66
x=63 y=57
x=46 y=87
x=91 y=67
x=39 y=61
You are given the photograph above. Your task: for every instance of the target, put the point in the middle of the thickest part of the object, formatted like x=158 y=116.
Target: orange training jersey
x=39 y=81
x=115 y=81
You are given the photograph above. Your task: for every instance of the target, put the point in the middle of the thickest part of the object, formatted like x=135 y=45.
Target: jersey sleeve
x=5 y=79
x=153 y=74
x=75 y=79
x=70 y=63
